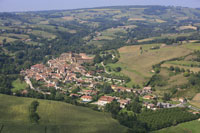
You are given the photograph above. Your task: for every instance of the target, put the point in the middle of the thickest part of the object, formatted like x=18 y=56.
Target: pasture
x=54 y=117
x=187 y=127
x=138 y=66
x=18 y=85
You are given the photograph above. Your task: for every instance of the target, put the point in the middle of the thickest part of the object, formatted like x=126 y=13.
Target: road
x=29 y=82
x=104 y=68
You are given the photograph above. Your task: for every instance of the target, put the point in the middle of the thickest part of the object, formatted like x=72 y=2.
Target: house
x=147 y=89
x=195 y=113
x=103 y=100
x=121 y=88
x=88 y=92
x=164 y=105
x=74 y=95
x=150 y=106
x=182 y=100
x=50 y=85
x=123 y=102
x=38 y=67
x=38 y=77
x=86 y=98
x=148 y=97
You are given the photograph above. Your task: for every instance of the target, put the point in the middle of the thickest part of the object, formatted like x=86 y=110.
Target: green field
x=18 y=85
x=187 y=127
x=55 y=117
x=138 y=66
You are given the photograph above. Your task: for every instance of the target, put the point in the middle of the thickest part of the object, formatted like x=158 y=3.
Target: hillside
x=125 y=60
x=55 y=117
x=27 y=38
x=137 y=62
x=188 y=127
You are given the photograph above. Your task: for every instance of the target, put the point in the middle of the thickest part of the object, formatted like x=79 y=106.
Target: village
x=68 y=69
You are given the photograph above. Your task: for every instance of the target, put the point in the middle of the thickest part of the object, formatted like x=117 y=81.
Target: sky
x=36 y=5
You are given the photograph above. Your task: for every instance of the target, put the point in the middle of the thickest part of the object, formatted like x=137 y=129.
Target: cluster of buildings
x=103 y=100
x=66 y=69
x=62 y=69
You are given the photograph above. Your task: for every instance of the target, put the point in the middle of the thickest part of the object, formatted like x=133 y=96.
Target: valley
x=106 y=69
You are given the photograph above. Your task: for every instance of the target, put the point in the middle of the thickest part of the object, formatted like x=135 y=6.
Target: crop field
x=138 y=65
x=170 y=36
x=8 y=39
x=21 y=36
x=54 y=117
x=43 y=34
x=110 y=34
x=187 y=127
x=188 y=27
x=193 y=46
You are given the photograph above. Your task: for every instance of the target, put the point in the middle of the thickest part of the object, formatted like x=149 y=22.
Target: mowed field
x=56 y=117
x=187 y=127
x=138 y=65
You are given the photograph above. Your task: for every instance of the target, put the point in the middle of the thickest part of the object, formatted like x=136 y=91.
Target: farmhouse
x=147 y=90
x=123 y=102
x=74 y=95
x=148 y=97
x=103 y=100
x=86 y=98
x=151 y=106
x=164 y=105
x=121 y=89
x=182 y=100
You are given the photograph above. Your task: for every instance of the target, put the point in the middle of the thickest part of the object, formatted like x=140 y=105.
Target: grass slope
x=55 y=117
x=138 y=66
x=187 y=127
x=18 y=85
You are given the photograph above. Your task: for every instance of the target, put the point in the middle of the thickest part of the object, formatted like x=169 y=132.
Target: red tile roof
x=106 y=98
x=86 y=97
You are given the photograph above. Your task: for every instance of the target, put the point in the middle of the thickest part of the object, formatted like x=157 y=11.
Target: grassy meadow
x=187 y=127
x=138 y=65
x=55 y=117
x=18 y=85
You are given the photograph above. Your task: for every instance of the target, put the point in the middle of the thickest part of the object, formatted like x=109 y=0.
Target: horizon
x=45 y=5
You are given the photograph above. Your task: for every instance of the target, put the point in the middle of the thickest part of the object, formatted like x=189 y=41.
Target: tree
x=76 y=90
x=59 y=96
x=135 y=107
x=177 y=69
x=34 y=117
x=97 y=59
x=4 y=41
x=117 y=69
x=166 y=97
x=186 y=74
x=106 y=88
x=113 y=107
x=171 y=68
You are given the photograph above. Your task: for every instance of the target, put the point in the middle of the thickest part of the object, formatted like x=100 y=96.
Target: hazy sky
x=32 y=5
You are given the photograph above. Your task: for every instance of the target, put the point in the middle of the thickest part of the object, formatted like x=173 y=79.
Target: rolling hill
x=55 y=117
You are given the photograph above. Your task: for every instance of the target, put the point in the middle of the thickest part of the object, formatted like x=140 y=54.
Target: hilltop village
x=63 y=69
x=82 y=83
